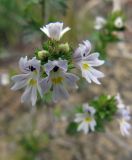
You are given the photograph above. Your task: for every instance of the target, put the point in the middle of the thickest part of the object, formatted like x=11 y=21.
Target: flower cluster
x=123 y=116
x=115 y=21
x=50 y=69
x=107 y=31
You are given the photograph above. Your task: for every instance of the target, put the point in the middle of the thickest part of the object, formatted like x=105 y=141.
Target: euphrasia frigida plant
x=97 y=113
x=51 y=68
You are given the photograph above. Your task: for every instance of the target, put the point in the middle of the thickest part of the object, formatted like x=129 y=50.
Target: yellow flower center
x=88 y=119
x=57 y=80
x=32 y=82
x=85 y=66
x=35 y=72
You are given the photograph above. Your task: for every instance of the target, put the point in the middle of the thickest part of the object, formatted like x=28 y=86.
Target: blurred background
x=27 y=133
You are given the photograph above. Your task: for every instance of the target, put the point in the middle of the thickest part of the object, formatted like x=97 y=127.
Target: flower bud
x=99 y=23
x=64 y=47
x=119 y=23
x=42 y=54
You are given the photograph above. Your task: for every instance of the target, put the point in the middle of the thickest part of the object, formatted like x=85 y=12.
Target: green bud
x=42 y=54
x=64 y=47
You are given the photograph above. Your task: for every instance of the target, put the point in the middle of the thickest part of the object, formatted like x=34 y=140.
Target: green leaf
x=72 y=128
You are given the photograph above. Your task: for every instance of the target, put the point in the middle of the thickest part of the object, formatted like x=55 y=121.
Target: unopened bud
x=42 y=54
x=64 y=47
x=119 y=23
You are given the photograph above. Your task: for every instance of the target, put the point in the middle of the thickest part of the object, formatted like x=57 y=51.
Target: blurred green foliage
x=32 y=145
x=26 y=16
x=105 y=110
x=108 y=34
x=10 y=20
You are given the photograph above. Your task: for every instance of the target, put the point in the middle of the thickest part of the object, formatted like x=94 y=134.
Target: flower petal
x=93 y=78
x=87 y=108
x=81 y=126
x=33 y=96
x=45 y=85
x=79 y=117
x=20 y=77
x=71 y=79
x=93 y=59
x=63 y=64
x=59 y=92
x=92 y=125
x=87 y=47
x=45 y=30
x=64 y=31
x=77 y=56
x=26 y=95
x=96 y=73
x=23 y=64
x=39 y=89
x=93 y=56
x=125 y=127
x=20 y=81
x=35 y=63
x=49 y=66
x=85 y=74
x=86 y=128
x=18 y=85
x=54 y=30
x=82 y=51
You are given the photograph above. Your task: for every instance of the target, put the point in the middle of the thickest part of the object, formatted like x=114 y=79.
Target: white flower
x=123 y=116
x=119 y=23
x=122 y=109
x=119 y=101
x=4 y=79
x=54 y=30
x=58 y=79
x=86 y=119
x=124 y=127
x=29 y=79
x=86 y=61
x=99 y=23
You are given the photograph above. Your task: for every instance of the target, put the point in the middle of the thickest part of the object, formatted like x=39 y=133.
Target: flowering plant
x=51 y=70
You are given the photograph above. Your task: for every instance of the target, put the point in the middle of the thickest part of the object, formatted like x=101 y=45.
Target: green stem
x=42 y=3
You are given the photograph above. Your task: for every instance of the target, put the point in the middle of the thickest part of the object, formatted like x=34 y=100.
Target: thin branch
x=117 y=5
x=43 y=14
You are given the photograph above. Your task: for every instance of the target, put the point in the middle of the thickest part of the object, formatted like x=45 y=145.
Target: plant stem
x=42 y=3
x=117 y=5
